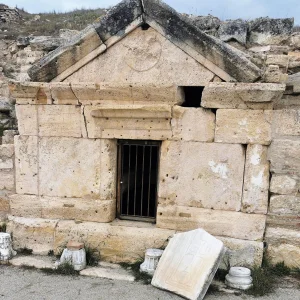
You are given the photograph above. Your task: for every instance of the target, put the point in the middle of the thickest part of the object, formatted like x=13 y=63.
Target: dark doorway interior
x=138 y=176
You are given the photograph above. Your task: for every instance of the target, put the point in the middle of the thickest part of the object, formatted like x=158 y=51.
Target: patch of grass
x=50 y=253
x=263 y=282
x=24 y=251
x=92 y=256
x=295 y=273
x=3 y=225
x=280 y=270
x=134 y=268
x=63 y=269
x=220 y=275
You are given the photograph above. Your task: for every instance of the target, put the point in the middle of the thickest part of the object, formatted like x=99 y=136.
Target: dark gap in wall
x=145 y=26
x=214 y=110
x=192 y=95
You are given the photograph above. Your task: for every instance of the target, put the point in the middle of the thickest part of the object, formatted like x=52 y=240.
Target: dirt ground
x=20 y=284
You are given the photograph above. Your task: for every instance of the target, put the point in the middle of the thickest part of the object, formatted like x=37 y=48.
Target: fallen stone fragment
x=109 y=273
x=239 y=278
x=38 y=262
x=188 y=264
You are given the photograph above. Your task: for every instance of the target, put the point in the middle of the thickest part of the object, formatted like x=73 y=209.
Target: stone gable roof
x=225 y=61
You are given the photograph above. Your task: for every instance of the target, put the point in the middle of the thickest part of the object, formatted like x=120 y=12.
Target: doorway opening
x=137 y=179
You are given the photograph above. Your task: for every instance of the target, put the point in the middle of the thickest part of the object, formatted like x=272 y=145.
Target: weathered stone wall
x=7 y=172
x=214 y=171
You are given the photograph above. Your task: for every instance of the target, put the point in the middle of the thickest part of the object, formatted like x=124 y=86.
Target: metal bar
x=156 y=185
x=142 y=189
x=136 y=155
x=128 y=177
x=121 y=166
x=150 y=169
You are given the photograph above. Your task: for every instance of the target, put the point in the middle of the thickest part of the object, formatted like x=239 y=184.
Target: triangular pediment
x=210 y=53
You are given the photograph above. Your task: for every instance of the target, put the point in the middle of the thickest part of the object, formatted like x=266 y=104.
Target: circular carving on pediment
x=143 y=51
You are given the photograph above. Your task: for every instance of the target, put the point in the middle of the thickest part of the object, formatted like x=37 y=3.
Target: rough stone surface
x=286 y=123
x=74 y=163
x=218 y=223
x=285 y=205
x=193 y=124
x=274 y=74
x=118 y=17
x=129 y=122
x=38 y=262
x=234 y=30
x=256 y=180
x=129 y=62
x=243 y=126
x=62 y=93
x=121 y=241
x=113 y=274
x=284 y=184
x=36 y=234
x=284 y=155
x=200 y=167
x=64 y=57
x=50 y=120
x=232 y=61
x=26 y=152
x=28 y=206
x=241 y=253
x=265 y=31
x=209 y=24
x=188 y=264
x=90 y=210
x=241 y=95
x=7 y=181
x=283 y=245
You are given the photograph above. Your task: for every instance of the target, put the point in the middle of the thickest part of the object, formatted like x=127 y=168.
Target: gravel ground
x=21 y=284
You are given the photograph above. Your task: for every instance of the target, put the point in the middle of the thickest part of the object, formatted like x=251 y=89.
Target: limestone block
x=217 y=222
x=280 y=60
x=268 y=31
x=273 y=74
x=91 y=210
x=188 y=264
x=6 y=157
x=285 y=205
x=286 y=123
x=283 y=221
x=201 y=167
x=128 y=122
x=65 y=56
x=128 y=61
x=8 y=136
x=33 y=233
x=31 y=93
x=38 y=261
x=256 y=180
x=243 y=126
x=27 y=116
x=193 y=124
x=28 y=206
x=7 y=180
x=121 y=241
x=26 y=164
x=76 y=166
x=241 y=95
x=284 y=155
x=108 y=273
x=242 y=253
x=283 y=245
x=60 y=120
x=233 y=30
x=284 y=184
x=62 y=93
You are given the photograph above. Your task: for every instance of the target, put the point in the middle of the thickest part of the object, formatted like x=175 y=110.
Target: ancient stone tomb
x=134 y=134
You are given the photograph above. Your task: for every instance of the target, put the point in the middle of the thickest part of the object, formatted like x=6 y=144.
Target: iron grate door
x=137 y=178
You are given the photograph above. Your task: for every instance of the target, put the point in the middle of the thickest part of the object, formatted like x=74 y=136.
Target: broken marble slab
x=189 y=263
